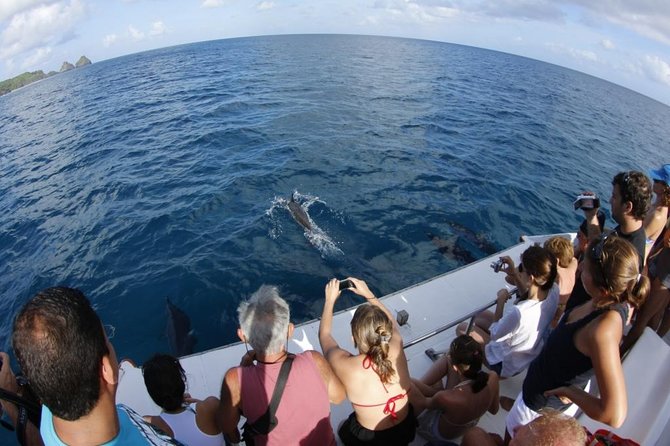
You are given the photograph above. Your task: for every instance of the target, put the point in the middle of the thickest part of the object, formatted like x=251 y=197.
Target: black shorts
x=497 y=367
x=352 y=433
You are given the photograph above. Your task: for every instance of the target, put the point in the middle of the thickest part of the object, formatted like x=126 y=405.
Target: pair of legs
x=480 y=328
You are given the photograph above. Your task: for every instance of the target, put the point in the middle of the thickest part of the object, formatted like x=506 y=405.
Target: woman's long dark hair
x=468 y=355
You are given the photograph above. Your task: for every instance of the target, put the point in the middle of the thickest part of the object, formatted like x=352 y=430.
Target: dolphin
x=178 y=330
x=450 y=248
x=299 y=213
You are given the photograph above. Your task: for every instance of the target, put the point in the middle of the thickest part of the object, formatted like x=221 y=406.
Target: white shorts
x=520 y=414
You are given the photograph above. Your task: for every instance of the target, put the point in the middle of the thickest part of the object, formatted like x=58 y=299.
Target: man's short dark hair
x=165 y=380
x=59 y=343
x=636 y=188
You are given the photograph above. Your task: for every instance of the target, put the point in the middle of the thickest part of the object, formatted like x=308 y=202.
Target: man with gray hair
x=303 y=414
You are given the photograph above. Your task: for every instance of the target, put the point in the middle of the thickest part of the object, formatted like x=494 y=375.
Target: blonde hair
x=553 y=428
x=562 y=249
x=372 y=329
x=614 y=266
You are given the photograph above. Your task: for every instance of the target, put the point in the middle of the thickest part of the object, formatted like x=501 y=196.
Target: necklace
x=283 y=356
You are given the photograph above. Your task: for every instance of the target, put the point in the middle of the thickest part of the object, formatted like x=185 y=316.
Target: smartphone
x=345 y=284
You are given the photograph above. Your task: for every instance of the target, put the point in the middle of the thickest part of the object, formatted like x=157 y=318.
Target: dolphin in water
x=299 y=213
x=179 y=333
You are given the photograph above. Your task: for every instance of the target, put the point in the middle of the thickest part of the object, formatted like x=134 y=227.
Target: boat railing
x=471 y=315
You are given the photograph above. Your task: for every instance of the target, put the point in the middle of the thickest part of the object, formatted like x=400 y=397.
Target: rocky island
x=29 y=77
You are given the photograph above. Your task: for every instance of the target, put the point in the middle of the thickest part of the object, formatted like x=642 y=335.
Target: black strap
x=27 y=410
x=267 y=422
x=279 y=387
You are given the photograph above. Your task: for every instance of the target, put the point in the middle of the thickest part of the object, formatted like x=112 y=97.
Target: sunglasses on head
x=597 y=256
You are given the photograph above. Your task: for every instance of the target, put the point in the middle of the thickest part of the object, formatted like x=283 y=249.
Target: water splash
x=316 y=236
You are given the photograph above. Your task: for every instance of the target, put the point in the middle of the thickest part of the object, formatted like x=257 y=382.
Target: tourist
x=304 y=412
x=586 y=342
x=190 y=421
x=468 y=394
x=551 y=428
x=654 y=309
x=630 y=200
x=657 y=216
x=65 y=353
x=564 y=252
x=513 y=339
x=376 y=378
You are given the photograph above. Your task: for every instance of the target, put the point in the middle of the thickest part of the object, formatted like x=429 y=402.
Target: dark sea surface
x=167 y=173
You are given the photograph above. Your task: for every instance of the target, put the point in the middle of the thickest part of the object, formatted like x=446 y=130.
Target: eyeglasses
x=597 y=255
x=520 y=268
x=110 y=330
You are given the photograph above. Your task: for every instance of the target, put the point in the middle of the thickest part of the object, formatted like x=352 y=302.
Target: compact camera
x=498 y=265
x=586 y=202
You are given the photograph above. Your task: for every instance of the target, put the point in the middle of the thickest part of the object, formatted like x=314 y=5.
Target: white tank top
x=186 y=430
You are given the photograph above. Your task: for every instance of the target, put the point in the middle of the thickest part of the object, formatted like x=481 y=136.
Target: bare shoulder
x=209 y=404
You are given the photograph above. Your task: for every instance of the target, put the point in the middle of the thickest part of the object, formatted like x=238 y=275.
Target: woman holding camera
x=586 y=341
x=513 y=339
x=376 y=378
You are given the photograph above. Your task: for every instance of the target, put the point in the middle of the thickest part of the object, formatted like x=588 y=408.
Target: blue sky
x=624 y=41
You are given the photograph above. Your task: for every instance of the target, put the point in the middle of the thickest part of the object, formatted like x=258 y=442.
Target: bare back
x=367 y=393
x=461 y=406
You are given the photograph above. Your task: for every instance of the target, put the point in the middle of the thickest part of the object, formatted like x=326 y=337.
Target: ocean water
x=167 y=173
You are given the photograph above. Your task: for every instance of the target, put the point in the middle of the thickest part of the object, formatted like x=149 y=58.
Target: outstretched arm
x=329 y=345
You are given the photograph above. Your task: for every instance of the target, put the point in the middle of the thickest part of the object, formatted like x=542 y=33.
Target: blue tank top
x=560 y=363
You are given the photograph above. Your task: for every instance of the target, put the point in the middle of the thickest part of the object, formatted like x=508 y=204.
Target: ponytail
x=379 y=355
x=638 y=290
x=372 y=329
x=468 y=355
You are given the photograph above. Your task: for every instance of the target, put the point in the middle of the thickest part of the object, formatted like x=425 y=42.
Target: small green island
x=29 y=77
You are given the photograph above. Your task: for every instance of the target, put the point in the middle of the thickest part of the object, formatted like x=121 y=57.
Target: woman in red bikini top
x=376 y=378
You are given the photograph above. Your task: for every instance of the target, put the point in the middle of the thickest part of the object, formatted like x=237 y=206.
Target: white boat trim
x=431 y=304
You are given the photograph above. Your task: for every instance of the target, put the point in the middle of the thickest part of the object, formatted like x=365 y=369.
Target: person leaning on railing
x=512 y=339
x=586 y=342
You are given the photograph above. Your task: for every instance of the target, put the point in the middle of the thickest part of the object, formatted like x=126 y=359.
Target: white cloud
x=38 y=56
x=109 y=40
x=10 y=7
x=264 y=6
x=575 y=53
x=649 y=18
x=40 y=26
x=607 y=44
x=157 y=28
x=135 y=34
x=212 y=3
x=657 y=69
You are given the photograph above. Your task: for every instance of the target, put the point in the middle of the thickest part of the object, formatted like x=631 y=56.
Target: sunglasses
x=597 y=256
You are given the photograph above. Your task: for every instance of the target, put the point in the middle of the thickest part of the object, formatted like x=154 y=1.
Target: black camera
x=586 y=202
x=498 y=265
x=346 y=284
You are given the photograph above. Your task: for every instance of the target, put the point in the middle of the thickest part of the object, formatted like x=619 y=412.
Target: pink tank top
x=304 y=411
